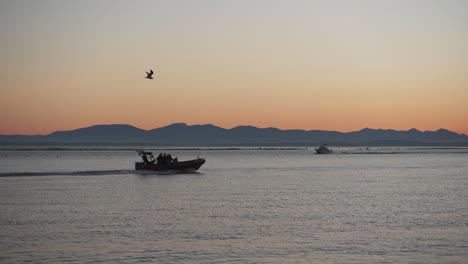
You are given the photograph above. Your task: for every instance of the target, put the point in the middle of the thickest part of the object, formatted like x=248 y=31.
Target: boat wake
x=409 y=151
x=92 y=173
x=68 y=173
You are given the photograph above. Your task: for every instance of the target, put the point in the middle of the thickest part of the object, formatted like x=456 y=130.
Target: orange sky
x=341 y=65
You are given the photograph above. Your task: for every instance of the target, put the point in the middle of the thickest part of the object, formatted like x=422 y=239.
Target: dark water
x=243 y=206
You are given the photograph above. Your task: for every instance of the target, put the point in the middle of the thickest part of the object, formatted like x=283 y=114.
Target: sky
x=326 y=65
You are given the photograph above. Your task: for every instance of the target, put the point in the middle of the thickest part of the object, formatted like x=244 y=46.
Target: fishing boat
x=166 y=163
x=323 y=149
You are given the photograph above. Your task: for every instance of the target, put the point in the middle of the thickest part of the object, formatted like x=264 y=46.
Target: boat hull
x=183 y=166
x=323 y=151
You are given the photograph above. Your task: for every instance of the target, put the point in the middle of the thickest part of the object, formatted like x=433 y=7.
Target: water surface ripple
x=243 y=206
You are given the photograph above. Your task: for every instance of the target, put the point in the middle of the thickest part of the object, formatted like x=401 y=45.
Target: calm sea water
x=243 y=206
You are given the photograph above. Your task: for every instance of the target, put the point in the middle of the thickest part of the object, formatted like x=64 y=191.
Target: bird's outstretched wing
x=149 y=74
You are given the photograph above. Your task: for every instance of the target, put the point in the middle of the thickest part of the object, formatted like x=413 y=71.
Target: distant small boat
x=323 y=149
x=166 y=163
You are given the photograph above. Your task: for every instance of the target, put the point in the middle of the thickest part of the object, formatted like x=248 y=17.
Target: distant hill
x=181 y=134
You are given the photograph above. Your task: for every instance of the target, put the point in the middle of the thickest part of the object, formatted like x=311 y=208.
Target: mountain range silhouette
x=181 y=134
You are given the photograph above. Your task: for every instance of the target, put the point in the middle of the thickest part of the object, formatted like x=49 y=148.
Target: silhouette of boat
x=323 y=149
x=166 y=163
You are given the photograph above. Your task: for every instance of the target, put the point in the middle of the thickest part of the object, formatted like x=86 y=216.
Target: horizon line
x=183 y=123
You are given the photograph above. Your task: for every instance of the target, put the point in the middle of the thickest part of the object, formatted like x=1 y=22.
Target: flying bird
x=149 y=75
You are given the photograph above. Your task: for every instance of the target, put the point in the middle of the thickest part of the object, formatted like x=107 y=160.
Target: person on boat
x=145 y=159
x=160 y=158
x=164 y=158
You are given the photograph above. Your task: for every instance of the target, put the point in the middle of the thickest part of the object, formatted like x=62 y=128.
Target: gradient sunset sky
x=327 y=65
